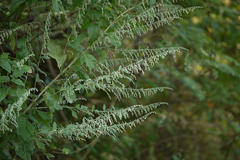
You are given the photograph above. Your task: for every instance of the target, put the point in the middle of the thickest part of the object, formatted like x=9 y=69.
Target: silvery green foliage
x=24 y=60
x=142 y=53
x=84 y=7
x=145 y=21
x=112 y=80
x=10 y=115
x=46 y=33
x=110 y=122
x=7 y=33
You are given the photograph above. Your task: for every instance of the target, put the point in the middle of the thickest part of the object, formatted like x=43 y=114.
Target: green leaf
x=55 y=6
x=18 y=82
x=40 y=145
x=44 y=117
x=3 y=93
x=24 y=149
x=56 y=52
x=93 y=31
x=79 y=87
x=115 y=41
x=69 y=94
x=66 y=151
x=49 y=156
x=152 y=2
x=31 y=1
x=74 y=114
x=4 y=79
x=5 y=62
x=52 y=101
x=12 y=42
x=25 y=129
x=54 y=125
x=20 y=71
x=16 y=4
x=88 y=60
x=5 y=65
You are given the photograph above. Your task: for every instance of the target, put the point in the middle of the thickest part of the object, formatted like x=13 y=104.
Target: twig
x=73 y=61
x=42 y=92
x=117 y=19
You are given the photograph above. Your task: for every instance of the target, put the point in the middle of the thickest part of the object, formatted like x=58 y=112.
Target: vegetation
x=77 y=75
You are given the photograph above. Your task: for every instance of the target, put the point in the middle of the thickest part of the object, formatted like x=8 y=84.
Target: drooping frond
x=145 y=21
x=46 y=37
x=111 y=81
x=143 y=53
x=7 y=33
x=151 y=18
x=133 y=55
x=25 y=59
x=122 y=92
x=9 y=116
x=83 y=10
x=129 y=71
x=109 y=123
x=135 y=110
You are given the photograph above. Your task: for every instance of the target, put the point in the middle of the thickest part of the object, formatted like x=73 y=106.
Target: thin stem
x=117 y=19
x=41 y=93
x=73 y=61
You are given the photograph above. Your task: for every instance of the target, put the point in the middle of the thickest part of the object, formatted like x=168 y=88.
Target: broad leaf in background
x=56 y=52
x=5 y=62
x=25 y=147
x=93 y=31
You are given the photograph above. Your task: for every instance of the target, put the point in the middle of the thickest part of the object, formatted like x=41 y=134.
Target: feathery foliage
x=10 y=115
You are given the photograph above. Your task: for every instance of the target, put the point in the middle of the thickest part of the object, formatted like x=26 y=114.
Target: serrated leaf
x=44 y=117
x=5 y=65
x=4 y=79
x=20 y=71
x=55 y=51
x=93 y=31
x=5 y=62
x=3 y=93
x=25 y=129
x=24 y=149
x=18 y=82
x=69 y=94
x=52 y=101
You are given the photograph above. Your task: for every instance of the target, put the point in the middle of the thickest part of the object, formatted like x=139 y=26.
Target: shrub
x=57 y=55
